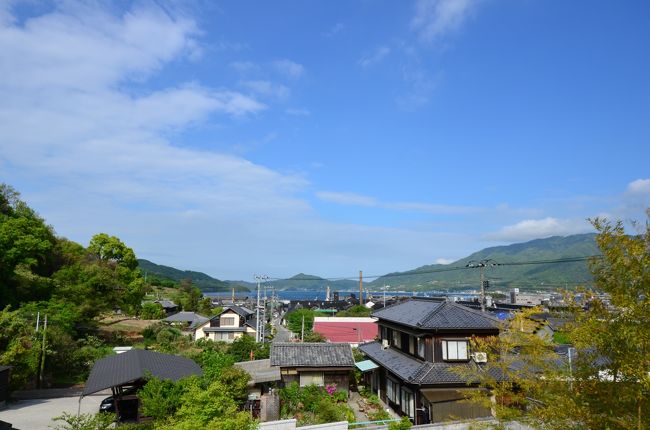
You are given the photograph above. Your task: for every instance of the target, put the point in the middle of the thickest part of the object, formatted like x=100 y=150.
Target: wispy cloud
x=374 y=57
x=334 y=30
x=346 y=198
x=353 y=199
x=539 y=228
x=268 y=89
x=244 y=66
x=289 y=68
x=435 y=19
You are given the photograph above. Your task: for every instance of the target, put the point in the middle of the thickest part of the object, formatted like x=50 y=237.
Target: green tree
x=84 y=421
x=18 y=347
x=152 y=311
x=112 y=249
x=242 y=347
x=295 y=320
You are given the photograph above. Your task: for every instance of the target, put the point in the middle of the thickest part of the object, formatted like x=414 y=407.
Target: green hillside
x=302 y=281
x=201 y=280
x=523 y=276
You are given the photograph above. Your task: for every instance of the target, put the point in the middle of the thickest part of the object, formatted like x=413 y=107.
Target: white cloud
x=374 y=57
x=268 y=89
x=435 y=19
x=346 y=198
x=244 y=66
x=289 y=68
x=539 y=228
x=639 y=186
x=361 y=200
x=444 y=261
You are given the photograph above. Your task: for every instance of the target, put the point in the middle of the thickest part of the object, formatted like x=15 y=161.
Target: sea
x=320 y=295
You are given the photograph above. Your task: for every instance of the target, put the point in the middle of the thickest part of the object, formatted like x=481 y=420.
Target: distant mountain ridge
x=439 y=276
x=201 y=280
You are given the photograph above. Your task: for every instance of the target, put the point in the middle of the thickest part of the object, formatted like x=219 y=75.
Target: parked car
x=108 y=404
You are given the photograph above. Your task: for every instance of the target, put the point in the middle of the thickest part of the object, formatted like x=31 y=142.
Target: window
x=421 y=346
x=227 y=321
x=454 y=350
x=392 y=390
x=397 y=339
x=411 y=345
x=408 y=405
x=312 y=378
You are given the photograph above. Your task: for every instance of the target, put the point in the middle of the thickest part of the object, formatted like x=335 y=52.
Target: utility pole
x=302 y=330
x=258 y=324
x=360 y=287
x=481 y=265
x=40 y=376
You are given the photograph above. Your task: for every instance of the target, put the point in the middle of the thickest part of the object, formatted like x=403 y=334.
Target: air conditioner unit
x=480 y=357
x=384 y=344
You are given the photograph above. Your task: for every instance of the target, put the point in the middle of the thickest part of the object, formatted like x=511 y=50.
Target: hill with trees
x=199 y=279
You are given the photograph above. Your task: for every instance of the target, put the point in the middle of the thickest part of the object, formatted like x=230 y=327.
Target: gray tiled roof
x=192 y=318
x=311 y=355
x=132 y=365
x=260 y=370
x=239 y=310
x=415 y=371
x=430 y=314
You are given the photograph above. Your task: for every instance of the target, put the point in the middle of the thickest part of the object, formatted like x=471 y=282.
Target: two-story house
x=230 y=324
x=421 y=342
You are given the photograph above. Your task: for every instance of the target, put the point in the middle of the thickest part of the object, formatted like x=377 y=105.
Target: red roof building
x=352 y=330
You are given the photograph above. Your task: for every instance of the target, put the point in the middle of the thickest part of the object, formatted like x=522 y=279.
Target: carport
x=129 y=369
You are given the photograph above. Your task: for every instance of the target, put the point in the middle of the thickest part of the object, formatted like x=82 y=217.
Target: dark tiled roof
x=132 y=365
x=415 y=371
x=429 y=314
x=311 y=355
x=192 y=318
x=238 y=310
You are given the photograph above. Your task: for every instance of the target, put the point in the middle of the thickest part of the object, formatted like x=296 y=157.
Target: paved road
x=282 y=334
x=37 y=414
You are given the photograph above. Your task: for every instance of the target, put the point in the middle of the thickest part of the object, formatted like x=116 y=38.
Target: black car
x=108 y=404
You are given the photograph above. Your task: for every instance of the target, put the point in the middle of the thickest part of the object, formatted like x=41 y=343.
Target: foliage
x=160 y=397
x=605 y=384
x=313 y=404
x=355 y=311
x=243 y=346
x=18 y=347
x=613 y=341
x=152 y=311
x=295 y=320
x=403 y=424
x=84 y=421
x=314 y=336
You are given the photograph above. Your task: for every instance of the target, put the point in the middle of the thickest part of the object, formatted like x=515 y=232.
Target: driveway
x=37 y=414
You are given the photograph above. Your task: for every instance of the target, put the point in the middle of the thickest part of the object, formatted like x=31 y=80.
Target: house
x=125 y=373
x=262 y=402
x=188 y=321
x=168 y=306
x=230 y=324
x=314 y=363
x=352 y=330
x=413 y=367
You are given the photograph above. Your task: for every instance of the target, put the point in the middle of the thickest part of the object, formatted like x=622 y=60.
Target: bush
x=84 y=421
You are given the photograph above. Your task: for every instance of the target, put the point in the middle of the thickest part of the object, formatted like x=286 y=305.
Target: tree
x=613 y=341
x=112 y=249
x=243 y=346
x=605 y=384
x=152 y=311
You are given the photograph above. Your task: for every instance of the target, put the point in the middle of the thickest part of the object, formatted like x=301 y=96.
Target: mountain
x=569 y=274
x=302 y=281
x=201 y=280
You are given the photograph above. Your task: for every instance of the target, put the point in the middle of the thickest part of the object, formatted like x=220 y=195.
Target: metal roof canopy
x=366 y=365
x=121 y=369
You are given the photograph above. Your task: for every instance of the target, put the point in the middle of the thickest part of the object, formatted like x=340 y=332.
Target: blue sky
x=325 y=137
